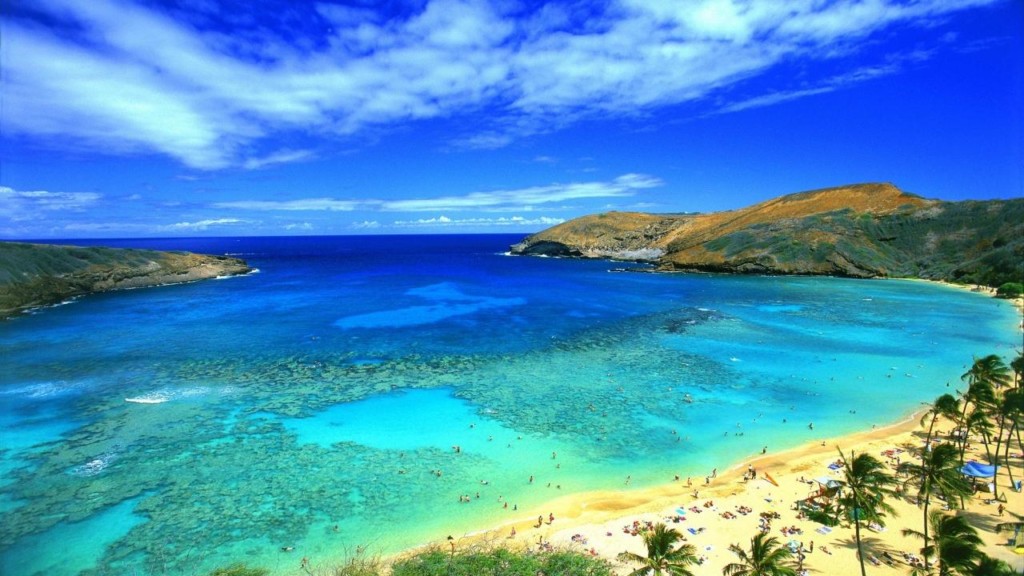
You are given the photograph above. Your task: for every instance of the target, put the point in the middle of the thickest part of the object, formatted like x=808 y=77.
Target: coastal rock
x=33 y=275
x=859 y=231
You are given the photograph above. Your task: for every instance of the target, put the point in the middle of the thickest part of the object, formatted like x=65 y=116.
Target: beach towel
x=823 y=530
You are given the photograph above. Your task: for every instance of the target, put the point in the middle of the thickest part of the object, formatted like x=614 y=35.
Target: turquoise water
x=318 y=403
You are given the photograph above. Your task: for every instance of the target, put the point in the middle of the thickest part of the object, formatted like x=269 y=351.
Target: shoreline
x=596 y=522
x=585 y=507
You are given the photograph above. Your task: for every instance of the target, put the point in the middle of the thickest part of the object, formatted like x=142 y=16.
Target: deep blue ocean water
x=316 y=404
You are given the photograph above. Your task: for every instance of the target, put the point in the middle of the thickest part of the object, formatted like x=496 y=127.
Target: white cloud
x=299 y=226
x=307 y=204
x=279 y=157
x=625 y=185
x=33 y=205
x=522 y=199
x=891 y=66
x=365 y=225
x=446 y=222
x=202 y=224
x=129 y=78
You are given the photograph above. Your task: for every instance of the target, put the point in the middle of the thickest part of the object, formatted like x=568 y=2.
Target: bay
x=350 y=392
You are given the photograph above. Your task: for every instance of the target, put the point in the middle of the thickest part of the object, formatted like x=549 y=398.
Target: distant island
x=34 y=275
x=861 y=230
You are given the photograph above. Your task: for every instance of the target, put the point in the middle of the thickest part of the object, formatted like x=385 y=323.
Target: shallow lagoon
x=330 y=388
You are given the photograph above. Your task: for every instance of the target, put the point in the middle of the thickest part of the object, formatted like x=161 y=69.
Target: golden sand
x=597 y=522
x=600 y=522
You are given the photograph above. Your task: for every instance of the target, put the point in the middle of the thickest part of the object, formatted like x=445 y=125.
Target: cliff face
x=34 y=275
x=863 y=230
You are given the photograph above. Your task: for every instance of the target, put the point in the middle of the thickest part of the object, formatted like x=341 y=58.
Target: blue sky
x=203 y=118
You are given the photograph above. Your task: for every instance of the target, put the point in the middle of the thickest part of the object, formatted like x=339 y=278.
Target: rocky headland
x=861 y=230
x=34 y=275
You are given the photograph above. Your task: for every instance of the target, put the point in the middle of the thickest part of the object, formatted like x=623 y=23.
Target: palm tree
x=662 y=555
x=1010 y=411
x=766 y=558
x=938 y=474
x=980 y=421
x=864 y=487
x=989 y=566
x=946 y=406
x=989 y=369
x=1017 y=365
x=954 y=544
x=980 y=394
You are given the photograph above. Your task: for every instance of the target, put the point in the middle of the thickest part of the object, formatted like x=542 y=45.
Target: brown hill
x=33 y=275
x=862 y=230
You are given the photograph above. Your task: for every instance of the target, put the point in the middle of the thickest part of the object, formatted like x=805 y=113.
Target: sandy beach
x=728 y=509
x=603 y=523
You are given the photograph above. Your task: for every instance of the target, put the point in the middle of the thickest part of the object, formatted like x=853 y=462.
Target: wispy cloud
x=301 y=205
x=365 y=225
x=892 y=65
x=517 y=199
x=39 y=204
x=202 y=224
x=625 y=185
x=134 y=78
x=502 y=222
x=279 y=157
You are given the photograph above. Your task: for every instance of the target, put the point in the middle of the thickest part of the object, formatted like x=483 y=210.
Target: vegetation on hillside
x=866 y=230
x=42 y=274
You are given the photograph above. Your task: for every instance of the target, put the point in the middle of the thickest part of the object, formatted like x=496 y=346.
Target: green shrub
x=501 y=561
x=1010 y=290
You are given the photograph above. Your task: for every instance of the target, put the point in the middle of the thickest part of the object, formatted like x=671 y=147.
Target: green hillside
x=864 y=230
x=33 y=275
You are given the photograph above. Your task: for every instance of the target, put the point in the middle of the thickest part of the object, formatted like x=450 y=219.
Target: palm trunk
x=1006 y=453
x=860 y=551
x=962 y=425
x=999 y=439
x=963 y=448
x=926 y=500
x=928 y=439
x=984 y=440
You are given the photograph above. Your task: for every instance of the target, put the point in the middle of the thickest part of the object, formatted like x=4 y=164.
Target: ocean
x=375 y=393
